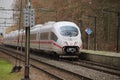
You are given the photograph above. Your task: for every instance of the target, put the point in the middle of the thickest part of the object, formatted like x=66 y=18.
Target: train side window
x=44 y=36
x=33 y=37
x=53 y=36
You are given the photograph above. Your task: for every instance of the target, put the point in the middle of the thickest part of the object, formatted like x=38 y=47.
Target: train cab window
x=70 y=31
x=53 y=37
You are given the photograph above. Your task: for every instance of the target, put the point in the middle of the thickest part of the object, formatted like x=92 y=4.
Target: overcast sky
x=6 y=4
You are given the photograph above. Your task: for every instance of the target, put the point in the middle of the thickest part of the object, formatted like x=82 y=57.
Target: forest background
x=78 y=12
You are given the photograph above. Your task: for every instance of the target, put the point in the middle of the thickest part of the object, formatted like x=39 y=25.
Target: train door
x=33 y=40
x=50 y=38
x=54 y=39
x=39 y=40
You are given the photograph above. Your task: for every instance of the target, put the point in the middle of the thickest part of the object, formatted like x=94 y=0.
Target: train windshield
x=70 y=31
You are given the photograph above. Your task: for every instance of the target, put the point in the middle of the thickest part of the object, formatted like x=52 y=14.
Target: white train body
x=59 y=37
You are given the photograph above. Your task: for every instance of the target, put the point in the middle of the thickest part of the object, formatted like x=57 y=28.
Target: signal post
x=29 y=21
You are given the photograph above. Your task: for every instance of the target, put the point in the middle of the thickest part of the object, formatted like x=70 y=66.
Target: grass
x=5 y=69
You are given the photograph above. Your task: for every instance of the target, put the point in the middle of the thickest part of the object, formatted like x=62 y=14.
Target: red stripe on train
x=45 y=42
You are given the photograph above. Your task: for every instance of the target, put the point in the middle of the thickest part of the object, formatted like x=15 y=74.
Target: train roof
x=54 y=24
x=50 y=25
x=64 y=23
x=36 y=26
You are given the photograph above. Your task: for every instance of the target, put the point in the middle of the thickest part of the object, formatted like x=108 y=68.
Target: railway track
x=92 y=65
x=62 y=70
x=40 y=63
x=96 y=66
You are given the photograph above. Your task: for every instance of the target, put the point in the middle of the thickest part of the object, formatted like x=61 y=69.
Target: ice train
x=62 y=38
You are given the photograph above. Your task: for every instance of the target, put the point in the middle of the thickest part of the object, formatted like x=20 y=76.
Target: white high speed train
x=62 y=38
